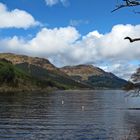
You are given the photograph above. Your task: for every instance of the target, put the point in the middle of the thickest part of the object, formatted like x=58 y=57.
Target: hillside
x=94 y=76
x=82 y=72
x=38 y=72
x=62 y=81
x=46 y=74
x=17 y=59
x=13 y=78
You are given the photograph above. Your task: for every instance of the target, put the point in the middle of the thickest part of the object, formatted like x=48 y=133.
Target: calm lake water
x=68 y=115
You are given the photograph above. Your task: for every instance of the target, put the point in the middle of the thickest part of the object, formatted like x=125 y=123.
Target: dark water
x=67 y=115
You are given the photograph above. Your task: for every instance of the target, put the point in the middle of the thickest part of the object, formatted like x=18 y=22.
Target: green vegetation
x=29 y=77
x=10 y=75
x=7 y=72
x=54 y=77
x=31 y=73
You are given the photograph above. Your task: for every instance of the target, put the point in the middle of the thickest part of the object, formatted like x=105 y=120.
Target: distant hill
x=17 y=59
x=39 y=72
x=60 y=80
x=82 y=72
x=94 y=76
x=36 y=73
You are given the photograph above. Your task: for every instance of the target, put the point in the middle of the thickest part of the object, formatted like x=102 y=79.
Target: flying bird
x=132 y=40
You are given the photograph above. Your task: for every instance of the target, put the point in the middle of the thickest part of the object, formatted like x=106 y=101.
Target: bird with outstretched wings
x=132 y=40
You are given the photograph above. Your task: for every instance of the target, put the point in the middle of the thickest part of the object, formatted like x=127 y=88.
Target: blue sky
x=70 y=32
x=95 y=12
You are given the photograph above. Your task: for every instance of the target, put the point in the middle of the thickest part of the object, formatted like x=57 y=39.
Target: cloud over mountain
x=66 y=46
x=16 y=18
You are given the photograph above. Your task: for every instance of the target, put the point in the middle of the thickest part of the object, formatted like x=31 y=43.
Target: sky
x=72 y=32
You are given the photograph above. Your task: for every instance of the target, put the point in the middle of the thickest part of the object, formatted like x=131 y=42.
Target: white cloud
x=65 y=46
x=122 y=69
x=74 y=22
x=47 y=42
x=15 y=18
x=51 y=2
x=54 y=2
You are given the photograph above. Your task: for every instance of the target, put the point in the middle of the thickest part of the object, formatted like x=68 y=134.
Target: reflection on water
x=67 y=115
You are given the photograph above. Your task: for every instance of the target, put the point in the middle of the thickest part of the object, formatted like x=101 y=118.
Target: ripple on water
x=83 y=115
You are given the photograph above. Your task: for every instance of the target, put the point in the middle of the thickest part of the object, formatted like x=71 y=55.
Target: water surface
x=67 y=115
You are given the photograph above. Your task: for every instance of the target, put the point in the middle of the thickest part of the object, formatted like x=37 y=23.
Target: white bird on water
x=83 y=108
x=62 y=102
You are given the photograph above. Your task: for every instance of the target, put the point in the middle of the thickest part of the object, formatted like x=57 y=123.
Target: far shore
x=48 y=89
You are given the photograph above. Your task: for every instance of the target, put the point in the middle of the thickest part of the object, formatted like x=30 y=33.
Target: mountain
x=94 y=76
x=18 y=59
x=82 y=72
x=38 y=72
x=61 y=80
x=12 y=77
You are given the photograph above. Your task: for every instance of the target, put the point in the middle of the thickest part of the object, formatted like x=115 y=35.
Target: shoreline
x=48 y=89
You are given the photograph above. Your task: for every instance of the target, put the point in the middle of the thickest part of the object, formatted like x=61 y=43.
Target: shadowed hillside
x=69 y=77
x=33 y=72
x=94 y=76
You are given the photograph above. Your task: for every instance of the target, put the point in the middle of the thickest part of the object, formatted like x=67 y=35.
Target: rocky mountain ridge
x=84 y=71
x=94 y=76
x=17 y=59
x=33 y=72
x=68 y=77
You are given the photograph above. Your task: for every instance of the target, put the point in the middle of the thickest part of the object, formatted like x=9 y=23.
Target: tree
x=7 y=73
x=128 y=3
